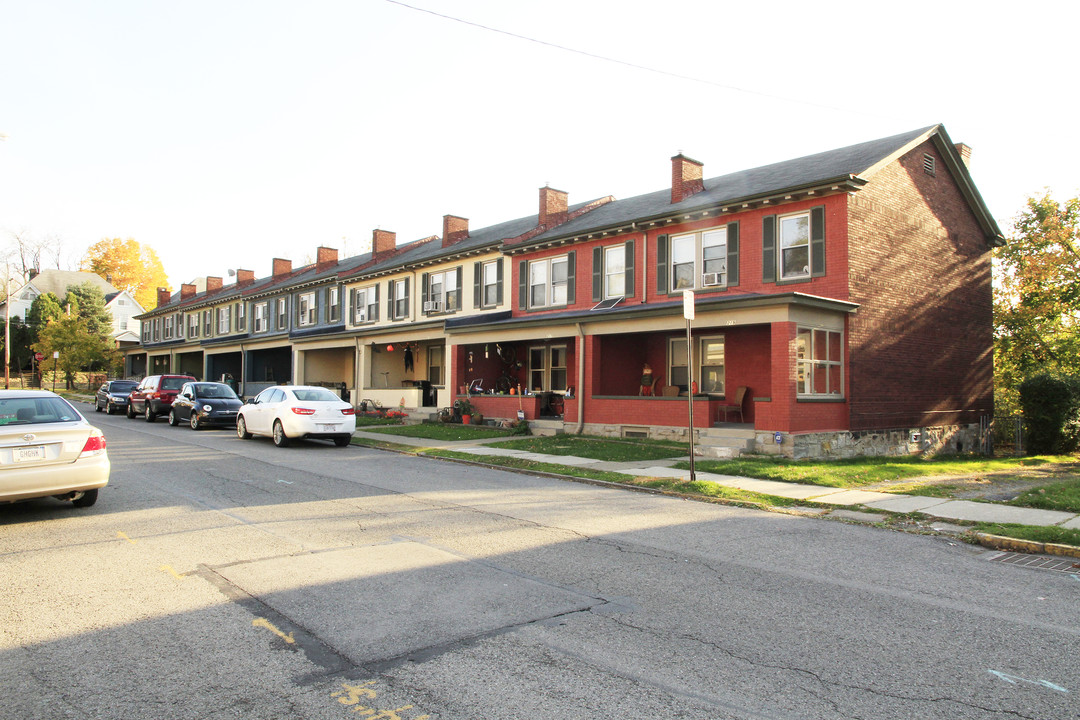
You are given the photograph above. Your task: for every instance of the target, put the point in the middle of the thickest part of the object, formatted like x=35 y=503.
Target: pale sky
x=223 y=134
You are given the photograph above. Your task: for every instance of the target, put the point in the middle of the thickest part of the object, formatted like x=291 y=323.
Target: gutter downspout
x=581 y=381
x=644 y=259
x=243 y=371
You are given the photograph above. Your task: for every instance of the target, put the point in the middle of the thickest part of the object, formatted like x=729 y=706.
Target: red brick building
x=848 y=292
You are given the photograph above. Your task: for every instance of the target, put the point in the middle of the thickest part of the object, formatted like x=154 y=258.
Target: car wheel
x=174 y=419
x=131 y=411
x=97 y=406
x=148 y=414
x=194 y=421
x=109 y=409
x=342 y=440
x=88 y=498
x=241 y=429
x=280 y=438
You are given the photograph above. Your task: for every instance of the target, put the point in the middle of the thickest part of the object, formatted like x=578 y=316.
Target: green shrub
x=1051 y=405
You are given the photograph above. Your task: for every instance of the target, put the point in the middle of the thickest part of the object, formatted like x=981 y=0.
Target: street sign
x=39 y=356
x=688 y=304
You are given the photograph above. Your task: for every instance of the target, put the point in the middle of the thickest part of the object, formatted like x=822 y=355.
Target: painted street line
x=168 y=569
x=1013 y=679
x=263 y=622
x=124 y=536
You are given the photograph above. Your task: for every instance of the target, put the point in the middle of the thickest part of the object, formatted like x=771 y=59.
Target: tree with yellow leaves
x=129 y=266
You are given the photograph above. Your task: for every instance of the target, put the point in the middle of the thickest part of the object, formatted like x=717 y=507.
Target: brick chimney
x=325 y=258
x=454 y=229
x=213 y=284
x=245 y=277
x=163 y=296
x=188 y=290
x=685 y=178
x=553 y=207
x=282 y=268
x=965 y=153
x=382 y=242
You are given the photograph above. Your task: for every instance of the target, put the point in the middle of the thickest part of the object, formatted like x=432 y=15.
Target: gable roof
x=58 y=281
x=852 y=166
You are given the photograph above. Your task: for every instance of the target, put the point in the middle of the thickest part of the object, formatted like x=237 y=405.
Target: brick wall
x=920 y=344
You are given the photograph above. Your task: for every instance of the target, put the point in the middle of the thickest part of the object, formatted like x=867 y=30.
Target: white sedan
x=48 y=448
x=286 y=412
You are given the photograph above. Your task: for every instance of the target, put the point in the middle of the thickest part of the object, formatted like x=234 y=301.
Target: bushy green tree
x=44 y=308
x=88 y=302
x=1037 y=298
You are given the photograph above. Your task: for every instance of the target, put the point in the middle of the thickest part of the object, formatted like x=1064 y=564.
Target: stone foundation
x=942 y=440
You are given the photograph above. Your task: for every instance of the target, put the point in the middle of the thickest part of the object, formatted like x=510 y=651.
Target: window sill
x=820 y=399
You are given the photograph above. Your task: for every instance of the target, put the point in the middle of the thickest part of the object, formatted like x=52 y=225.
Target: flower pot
x=477 y=419
x=466 y=419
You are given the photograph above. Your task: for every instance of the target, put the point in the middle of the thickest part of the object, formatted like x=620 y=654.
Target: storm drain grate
x=1040 y=562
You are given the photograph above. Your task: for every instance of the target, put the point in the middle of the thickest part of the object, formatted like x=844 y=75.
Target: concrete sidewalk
x=890 y=502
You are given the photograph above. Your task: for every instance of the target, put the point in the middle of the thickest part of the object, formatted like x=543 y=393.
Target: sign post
x=688 y=313
x=55 y=355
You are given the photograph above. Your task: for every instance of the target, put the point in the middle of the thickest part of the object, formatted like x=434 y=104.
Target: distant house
x=120 y=304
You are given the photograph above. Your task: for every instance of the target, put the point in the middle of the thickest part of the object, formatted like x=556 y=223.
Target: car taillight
x=303 y=411
x=348 y=411
x=156 y=396
x=95 y=445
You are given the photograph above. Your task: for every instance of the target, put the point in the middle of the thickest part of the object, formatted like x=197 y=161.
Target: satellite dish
x=231 y=272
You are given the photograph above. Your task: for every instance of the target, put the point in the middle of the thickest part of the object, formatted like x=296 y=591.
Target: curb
x=999 y=542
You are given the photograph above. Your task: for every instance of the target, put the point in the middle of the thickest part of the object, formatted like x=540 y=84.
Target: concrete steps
x=726 y=440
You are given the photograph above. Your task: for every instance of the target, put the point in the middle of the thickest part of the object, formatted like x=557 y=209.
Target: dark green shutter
x=733 y=254
x=477 y=284
x=768 y=249
x=523 y=285
x=389 y=299
x=661 y=263
x=817 y=241
x=597 y=274
x=571 y=277
x=629 y=265
x=499 y=281
x=352 y=306
x=458 y=292
x=425 y=291
x=408 y=306
x=375 y=302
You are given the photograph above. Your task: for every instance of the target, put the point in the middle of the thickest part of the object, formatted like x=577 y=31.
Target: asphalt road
x=220 y=578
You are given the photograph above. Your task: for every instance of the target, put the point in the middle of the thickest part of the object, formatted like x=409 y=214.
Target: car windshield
x=24 y=411
x=214 y=390
x=122 y=387
x=173 y=383
x=315 y=395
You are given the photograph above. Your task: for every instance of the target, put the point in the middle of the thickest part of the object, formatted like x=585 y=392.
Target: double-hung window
x=306 y=311
x=399 y=299
x=443 y=291
x=490 y=284
x=208 y=323
x=547 y=282
x=223 y=316
x=365 y=305
x=258 y=321
x=168 y=327
x=547 y=368
x=282 y=313
x=703 y=259
x=615 y=271
x=708 y=364
x=793 y=246
x=193 y=325
x=820 y=363
x=241 y=320
x=333 y=304
x=435 y=364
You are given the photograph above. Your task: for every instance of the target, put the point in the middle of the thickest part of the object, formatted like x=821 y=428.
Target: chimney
x=454 y=229
x=245 y=277
x=163 y=296
x=382 y=241
x=685 y=178
x=325 y=258
x=553 y=207
x=187 y=290
x=965 y=153
x=282 y=268
x=108 y=278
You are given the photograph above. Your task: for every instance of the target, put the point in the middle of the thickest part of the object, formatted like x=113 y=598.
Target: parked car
x=48 y=448
x=154 y=395
x=113 y=395
x=202 y=404
x=287 y=412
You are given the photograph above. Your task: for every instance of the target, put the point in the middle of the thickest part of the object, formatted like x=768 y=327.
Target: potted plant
x=465 y=409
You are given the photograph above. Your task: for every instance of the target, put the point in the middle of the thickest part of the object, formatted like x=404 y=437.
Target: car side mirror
x=249 y=401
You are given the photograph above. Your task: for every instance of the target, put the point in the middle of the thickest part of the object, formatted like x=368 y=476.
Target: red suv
x=155 y=395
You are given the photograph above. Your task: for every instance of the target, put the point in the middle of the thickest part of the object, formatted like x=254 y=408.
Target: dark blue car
x=112 y=396
x=203 y=404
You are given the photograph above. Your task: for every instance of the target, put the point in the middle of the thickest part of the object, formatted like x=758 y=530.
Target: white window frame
x=688 y=251
x=208 y=323
x=792 y=244
x=169 y=322
x=367 y=307
x=819 y=358
x=551 y=377
x=489 y=282
x=259 y=317
x=614 y=271
x=224 y=320
x=241 y=317
x=436 y=364
x=676 y=346
x=541 y=278
x=193 y=325
x=282 y=313
x=401 y=300
x=448 y=295
x=712 y=375
x=333 y=304
x=307 y=310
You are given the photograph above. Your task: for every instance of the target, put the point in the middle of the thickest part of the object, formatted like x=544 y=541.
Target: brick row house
x=842 y=305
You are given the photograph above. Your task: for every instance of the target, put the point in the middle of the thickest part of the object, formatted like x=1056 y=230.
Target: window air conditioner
x=427 y=306
x=709 y=279
x=436 y=306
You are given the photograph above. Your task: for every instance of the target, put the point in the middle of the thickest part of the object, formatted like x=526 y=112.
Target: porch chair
x=735 y=407
x=670 y=391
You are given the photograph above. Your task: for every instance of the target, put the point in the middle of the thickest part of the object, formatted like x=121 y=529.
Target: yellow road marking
x=263 y=622
x=168 y=569
x=123 y=536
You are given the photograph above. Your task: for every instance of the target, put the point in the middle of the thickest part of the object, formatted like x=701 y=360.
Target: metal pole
x=7 y=326
x=690 y=396
x=54 y=372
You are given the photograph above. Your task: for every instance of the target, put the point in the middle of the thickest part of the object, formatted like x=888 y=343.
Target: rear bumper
x=43 y=481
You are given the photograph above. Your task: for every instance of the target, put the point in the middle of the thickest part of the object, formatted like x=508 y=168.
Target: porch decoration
x=647 y=380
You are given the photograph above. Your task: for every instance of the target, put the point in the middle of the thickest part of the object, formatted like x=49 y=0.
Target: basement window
x=929 y=164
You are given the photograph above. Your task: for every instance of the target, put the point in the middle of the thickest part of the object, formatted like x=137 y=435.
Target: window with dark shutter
x=733 y=254
x=817 y=241
x=571 y=277
x=630 y=279
x=597 y=273
x=523 y=285
x=768 y=249
x=662 y=264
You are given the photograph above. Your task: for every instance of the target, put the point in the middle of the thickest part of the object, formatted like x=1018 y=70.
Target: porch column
x=782 y=412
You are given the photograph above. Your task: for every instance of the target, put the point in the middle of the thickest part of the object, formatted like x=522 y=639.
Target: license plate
x=327 y=428
x=26 y=454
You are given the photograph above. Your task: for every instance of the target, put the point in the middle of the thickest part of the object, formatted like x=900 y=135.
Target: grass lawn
x=608 y=449
x=1057 y=496
x=441 y=431
x=1059 y=535
x=366 y=422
